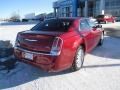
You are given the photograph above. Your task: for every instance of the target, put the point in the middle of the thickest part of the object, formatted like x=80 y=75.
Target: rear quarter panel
x=71 y=42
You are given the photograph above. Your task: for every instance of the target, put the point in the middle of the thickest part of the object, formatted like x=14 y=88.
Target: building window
x=67 y=11
x=112 y=6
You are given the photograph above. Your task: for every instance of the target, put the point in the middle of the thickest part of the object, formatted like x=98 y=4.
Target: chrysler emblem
x=30 y=40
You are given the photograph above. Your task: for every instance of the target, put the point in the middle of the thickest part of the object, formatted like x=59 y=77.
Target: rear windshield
x=100 y=16
x=60 y=25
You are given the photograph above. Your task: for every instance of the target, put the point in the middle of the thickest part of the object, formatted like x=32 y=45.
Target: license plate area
x=28 y=56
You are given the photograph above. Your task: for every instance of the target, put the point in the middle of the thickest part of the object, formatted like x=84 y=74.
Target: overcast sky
x=8 y=7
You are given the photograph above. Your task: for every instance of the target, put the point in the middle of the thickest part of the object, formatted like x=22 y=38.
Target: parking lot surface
x=101 y=70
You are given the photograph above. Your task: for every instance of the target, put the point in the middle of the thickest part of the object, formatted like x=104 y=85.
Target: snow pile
x=6 y=49
x=6 y=56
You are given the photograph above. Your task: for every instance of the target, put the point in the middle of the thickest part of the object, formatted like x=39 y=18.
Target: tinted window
x=84 y=25
x=91 y=23
x=60 y=25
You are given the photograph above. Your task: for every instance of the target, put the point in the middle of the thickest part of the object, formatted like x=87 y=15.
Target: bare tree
x=15 y=17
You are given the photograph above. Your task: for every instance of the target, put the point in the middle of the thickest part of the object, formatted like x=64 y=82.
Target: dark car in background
x=105 y=19
x=58 y=44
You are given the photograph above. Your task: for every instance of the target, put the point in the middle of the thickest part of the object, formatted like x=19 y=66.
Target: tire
x=79 y=59
x=101 y=40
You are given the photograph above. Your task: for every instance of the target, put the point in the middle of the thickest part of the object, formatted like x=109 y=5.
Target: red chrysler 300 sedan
x=58 y=44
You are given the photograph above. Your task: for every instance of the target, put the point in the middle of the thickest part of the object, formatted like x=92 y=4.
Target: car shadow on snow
x=99 y=66
x=110 y=48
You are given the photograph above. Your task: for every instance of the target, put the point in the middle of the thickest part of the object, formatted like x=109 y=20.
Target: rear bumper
x=41 y=60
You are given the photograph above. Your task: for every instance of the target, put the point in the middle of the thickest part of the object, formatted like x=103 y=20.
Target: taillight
x=57 y=46
x=17 y=44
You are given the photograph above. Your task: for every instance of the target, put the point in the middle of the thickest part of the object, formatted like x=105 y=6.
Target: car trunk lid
x=37 y=41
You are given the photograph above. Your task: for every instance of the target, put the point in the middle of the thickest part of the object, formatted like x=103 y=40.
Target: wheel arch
x=80 y=44
x=83 y=44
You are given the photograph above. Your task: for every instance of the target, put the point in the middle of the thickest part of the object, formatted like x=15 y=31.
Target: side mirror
x=99 y=26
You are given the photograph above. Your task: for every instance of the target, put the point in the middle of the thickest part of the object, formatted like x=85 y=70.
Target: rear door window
x=91 y=23
x=46 y=25
x=60 y=25
x=84 y=24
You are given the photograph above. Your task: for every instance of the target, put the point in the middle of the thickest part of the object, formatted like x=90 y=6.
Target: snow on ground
x=112 y=29
x=9 y=32
x=101 y=69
